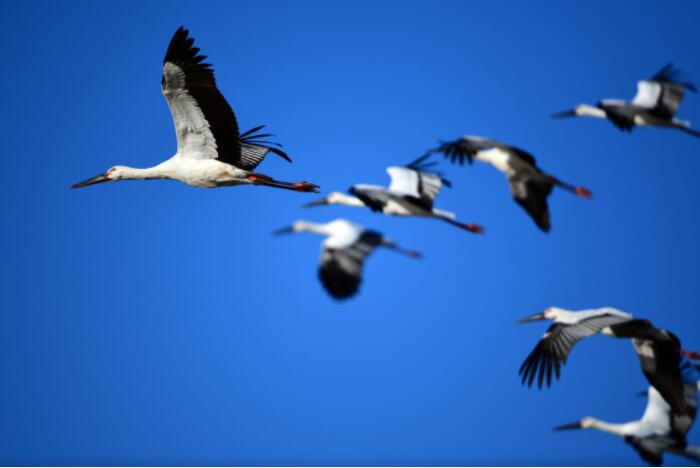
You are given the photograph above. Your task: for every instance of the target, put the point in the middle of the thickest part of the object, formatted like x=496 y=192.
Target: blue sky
x=156 y=323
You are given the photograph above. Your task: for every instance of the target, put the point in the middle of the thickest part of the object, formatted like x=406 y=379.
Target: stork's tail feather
x=258 y=140
x=261 y=179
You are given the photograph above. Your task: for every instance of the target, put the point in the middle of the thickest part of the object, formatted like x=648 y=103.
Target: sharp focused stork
x=529 y=185
x=210 y=150
x=659 y=351
x=412 y=192
x=658 y=431
x=654 y=105
x=343 y=253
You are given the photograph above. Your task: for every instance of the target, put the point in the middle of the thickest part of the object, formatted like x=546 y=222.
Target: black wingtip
x=674 y=75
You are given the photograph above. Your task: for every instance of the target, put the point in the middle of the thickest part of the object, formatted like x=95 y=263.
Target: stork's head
x=296 y=226
x=303 y=226
x=333 y=198
x=112 y=174
x=584 y=423
x=549 y=314
x=582 y=110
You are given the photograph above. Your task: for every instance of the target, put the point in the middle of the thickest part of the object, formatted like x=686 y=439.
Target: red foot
x=414 y=253
x=583 y=192
x=306 y=187
x=475 y=228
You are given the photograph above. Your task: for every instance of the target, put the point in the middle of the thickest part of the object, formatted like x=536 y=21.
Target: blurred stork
x=412 y=192
x=659 y=351
x=210 y=150
x=343 y=253
x=654 y=105
x=658 y=431
x=529 y=185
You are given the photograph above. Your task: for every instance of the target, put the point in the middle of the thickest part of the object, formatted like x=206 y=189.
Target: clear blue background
x=156 y=323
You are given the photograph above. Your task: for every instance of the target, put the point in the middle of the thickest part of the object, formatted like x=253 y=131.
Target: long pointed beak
x=568 y=427
x=284 y=230
x=532 y=318
x=561 y=115
x=91 y=181
x=321 y=202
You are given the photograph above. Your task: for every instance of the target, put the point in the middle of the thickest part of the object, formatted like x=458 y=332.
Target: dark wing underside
x=660 y=358
x=622 y=116
x=650 y=449
x=682 y=423
x=532 y=196
x=463 y=149
x=199 y=83
x=374 y=199
x=521 y=154
x=672 y=91
x=663 y=372
x=669 y=100
x=553 y=349
x=341 y=269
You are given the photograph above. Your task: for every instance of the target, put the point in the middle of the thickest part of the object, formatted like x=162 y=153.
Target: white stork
x=654 y=105
x=659 y=351
x=658 y=431
x=210 y=150
x=529 y=185
x=412 y=192
x=343 y=253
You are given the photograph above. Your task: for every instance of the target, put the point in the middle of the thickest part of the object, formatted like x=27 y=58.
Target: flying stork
x=412 y=192
x=659 y=351
x=343 y=253
x=654 y=105
x=210 y=150
x=658 y=431
x=529 y=185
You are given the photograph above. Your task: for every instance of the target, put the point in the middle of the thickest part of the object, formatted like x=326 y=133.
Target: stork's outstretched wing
x=341 y=268
x=205 y=125
x=553 y=349
x=663 y=93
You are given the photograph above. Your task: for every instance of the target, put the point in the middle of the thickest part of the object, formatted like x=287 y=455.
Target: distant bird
x=412 y=192
x=659 y=430
x=343 y=253
x=210 y=150
x=654 y=105
x=659 y=351
x=529 y=185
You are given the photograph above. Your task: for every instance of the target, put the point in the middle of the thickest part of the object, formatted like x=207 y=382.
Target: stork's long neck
x=341 y=199
x=617 y=429
x=306 y=226
x=163 y=170
x=586 y=110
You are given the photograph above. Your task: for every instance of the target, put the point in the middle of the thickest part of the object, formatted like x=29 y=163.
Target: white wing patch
x=648 y=93
x=194 y=137
x=404 y=181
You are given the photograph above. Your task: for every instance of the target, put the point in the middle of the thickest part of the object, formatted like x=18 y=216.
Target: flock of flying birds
x=212 y=152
